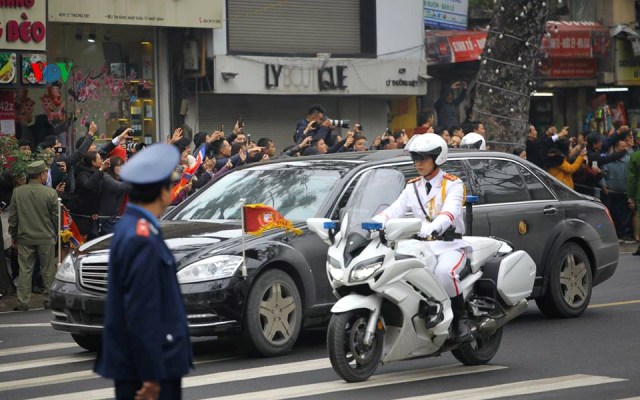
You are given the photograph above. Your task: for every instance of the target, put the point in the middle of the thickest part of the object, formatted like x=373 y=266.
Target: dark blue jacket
x=145 y=335
x=318 y=133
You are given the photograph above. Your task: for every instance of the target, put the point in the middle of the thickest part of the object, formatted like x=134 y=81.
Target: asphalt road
x=592 y=357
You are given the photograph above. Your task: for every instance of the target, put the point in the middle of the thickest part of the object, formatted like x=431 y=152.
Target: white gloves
x=427 y=229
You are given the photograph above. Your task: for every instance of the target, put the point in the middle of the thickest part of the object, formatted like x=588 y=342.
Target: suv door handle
x=550 y=210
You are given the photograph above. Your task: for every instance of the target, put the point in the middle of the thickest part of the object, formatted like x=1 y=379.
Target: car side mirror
x=320 y=227
x=402 y=228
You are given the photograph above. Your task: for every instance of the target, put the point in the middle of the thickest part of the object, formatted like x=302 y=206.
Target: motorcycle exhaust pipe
x=489 y=326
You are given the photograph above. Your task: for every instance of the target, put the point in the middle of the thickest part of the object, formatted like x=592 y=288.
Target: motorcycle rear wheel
x=480 y=350
x=350 y=357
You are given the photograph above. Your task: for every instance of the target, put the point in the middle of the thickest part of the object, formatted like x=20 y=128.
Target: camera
x=61 y=150
x=341 y=123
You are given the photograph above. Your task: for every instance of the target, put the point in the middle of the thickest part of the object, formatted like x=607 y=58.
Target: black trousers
x=169 y=390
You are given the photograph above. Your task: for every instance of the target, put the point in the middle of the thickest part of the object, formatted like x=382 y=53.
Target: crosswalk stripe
x=520 y=388
x=375 y=381
x=44 y=362
x=215 y=378
x=36 y=348
x=71 y=377
x=38 y=325
x=47 y=380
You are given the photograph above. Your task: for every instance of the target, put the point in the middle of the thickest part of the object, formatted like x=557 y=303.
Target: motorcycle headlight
x=365 y=269
x=209 y=269
x=66 y=272
x=335 y=269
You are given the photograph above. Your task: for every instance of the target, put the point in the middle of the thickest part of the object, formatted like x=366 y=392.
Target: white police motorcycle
x=391 y=307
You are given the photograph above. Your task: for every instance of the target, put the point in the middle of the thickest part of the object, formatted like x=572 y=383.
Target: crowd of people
x=88 y=183
x=604 y=166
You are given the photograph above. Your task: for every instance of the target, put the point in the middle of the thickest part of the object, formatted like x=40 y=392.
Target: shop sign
x=7 y=112
x=170 y=13
x=445 y=47
x=576 y=39
x=627 y=65
x=328 y=78
x=564 y=68
x=446 y=14
x=279 y=75
x=23 y=25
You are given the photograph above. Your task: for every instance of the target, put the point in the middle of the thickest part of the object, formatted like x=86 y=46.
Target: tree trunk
x=505 y=79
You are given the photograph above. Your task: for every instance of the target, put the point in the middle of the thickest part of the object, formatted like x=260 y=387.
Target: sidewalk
x=8 y=302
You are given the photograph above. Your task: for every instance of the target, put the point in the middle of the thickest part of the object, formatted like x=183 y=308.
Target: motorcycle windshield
x=376 y=190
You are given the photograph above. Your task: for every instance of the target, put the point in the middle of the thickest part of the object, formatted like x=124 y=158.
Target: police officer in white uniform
x=437 y=198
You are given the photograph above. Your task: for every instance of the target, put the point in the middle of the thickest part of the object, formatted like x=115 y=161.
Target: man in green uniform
x=33 y=226
x=633 y=187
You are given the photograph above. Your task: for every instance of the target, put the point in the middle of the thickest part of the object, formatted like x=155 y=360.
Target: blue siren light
x=372 y=226
x=330 y=225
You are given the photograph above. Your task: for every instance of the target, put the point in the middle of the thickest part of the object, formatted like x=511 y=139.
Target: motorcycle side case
x=513 y=274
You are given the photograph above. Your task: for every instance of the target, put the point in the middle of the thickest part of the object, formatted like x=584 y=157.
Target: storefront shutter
x=294 y=26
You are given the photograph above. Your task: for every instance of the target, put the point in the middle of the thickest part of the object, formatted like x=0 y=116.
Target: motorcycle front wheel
x=350 y=357
x=480 y=350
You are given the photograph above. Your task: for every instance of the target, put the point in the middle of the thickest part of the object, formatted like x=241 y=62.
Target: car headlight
x=335 y=269
x=209 y=269
x=66 y=272
x=364 y=269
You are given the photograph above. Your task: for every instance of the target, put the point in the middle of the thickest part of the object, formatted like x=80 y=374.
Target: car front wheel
x=88 y=342
x=274 y=313
x=570 y=283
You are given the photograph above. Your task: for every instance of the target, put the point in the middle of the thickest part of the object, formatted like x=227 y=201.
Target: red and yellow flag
x=259 y=218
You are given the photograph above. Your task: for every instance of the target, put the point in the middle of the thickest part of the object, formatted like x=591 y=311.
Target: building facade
x=270 y=62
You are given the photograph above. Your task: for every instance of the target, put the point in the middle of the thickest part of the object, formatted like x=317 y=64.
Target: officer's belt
x=449 y=237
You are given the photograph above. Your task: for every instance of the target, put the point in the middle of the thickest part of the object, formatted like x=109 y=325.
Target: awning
x=576 y=39
x=444 y=47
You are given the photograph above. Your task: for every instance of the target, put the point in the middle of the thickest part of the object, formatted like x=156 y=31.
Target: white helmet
x=428 y=144
x=473 y=140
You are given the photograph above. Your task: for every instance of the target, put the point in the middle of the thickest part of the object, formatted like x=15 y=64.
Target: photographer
x=316 y=125
x=111 y=198
x=89 y=175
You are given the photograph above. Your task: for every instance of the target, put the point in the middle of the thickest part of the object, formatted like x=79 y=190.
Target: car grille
x=93 y=274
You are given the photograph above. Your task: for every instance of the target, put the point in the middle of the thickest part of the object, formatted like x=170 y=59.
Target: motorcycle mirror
x=402 y=228
x=324 y=228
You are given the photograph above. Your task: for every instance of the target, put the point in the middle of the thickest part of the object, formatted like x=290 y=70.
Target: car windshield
x=295 y=192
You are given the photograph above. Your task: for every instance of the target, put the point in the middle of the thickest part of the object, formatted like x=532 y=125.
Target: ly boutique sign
x=338 y=77
x=23 y=25
x=328 y=78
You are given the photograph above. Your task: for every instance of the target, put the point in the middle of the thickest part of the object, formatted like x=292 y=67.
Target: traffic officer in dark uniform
x=146 y=347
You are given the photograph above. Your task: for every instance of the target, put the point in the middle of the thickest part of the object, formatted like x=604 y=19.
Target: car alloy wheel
x=574 y=283
x=274 y=313
x=570 y=283
x=277 y=312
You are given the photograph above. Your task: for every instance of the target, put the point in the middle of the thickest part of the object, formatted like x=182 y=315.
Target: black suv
x=570 y=236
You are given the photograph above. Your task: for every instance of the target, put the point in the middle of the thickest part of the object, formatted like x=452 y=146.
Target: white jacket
x=443 y=207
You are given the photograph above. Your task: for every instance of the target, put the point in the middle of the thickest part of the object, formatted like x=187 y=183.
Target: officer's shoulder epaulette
x=414 y=180
x=142 y=228
x=450 y=177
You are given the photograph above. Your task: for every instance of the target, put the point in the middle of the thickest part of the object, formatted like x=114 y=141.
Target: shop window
x=110 y=81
